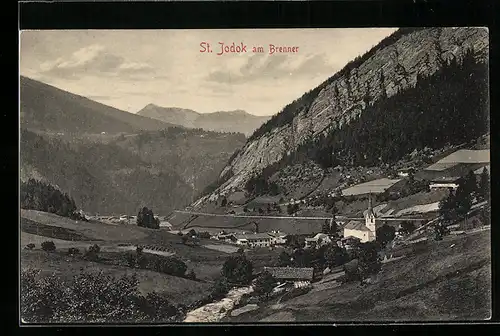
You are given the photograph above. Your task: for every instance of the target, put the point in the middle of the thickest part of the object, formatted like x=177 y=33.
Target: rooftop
x=480 y=170
x=375 y=186
x=253 y=236
x=462 y=156
x=291 y=273
x=355 y=225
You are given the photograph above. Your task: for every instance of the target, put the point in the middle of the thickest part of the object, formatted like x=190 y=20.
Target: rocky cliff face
x=387 y=71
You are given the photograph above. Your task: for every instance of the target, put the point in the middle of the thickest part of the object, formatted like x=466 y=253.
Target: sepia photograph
x=324 y=175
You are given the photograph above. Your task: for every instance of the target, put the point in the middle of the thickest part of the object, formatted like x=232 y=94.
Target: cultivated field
x=67 y=233
x=441 y=283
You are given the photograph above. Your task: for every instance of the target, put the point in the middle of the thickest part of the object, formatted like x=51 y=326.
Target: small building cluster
x=254 y=239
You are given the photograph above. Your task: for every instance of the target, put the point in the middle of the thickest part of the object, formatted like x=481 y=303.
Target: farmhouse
x=444 y=182
x=317 y=241
x=277 y=237
x=364 y=231
x=300 y=277
x=253 y=240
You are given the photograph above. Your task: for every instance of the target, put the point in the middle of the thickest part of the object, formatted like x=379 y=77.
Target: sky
x=129 y=69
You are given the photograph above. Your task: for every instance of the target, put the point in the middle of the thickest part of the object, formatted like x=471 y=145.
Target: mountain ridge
x=220 y=121
x=47 y=107
x=395 y=64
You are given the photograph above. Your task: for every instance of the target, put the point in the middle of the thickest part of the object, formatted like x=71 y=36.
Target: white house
x=364 y=231
x=317 y=241
x=277 y=237
x=253 y=239
x=444 y=183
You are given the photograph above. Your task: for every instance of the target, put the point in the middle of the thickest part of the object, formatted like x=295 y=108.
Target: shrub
x=238 y=269
x=264 y=284
x=48 y=246
x=220 y=289
x=30 y=246
x=191 y=275
x=73 y=251
x=92 y=252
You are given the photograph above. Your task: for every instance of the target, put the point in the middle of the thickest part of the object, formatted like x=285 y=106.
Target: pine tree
x=484 y=185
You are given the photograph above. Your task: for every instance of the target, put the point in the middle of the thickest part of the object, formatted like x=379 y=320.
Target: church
x=366 y=231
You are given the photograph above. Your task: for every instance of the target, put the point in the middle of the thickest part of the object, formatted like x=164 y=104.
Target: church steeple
x=370 y=219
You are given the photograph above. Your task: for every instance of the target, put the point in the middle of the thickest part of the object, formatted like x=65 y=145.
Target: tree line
x=41 y=196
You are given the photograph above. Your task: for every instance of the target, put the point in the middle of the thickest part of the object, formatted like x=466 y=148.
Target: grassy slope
x=179 y=290
x=441 y=283
x=205 y=262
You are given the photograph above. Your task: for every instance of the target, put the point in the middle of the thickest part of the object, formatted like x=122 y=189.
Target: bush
x=48 y=246
x=238 y=269
x=191 y=275
x=30 y=246
x=92 y=252
x=73 y=251
x=146 y=218
x=264 y=284
x=220 y=289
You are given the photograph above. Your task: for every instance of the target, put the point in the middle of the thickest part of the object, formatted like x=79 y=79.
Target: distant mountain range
x=47 y=108
x=222 y=121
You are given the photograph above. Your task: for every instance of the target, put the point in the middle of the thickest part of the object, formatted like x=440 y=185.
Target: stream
x=215 y=311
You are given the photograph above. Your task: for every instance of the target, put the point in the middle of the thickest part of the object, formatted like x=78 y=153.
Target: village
x=411 y=228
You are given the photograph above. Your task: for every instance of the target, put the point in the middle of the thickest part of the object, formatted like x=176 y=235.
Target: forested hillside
x=449 y=107
x=425 y=87
x=162 y=170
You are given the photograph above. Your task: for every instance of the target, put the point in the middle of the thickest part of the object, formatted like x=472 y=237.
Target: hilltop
x=45 y=107
x=221 y=121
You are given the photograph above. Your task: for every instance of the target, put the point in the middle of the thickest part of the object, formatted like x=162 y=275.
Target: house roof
x=480 y=170
x=442 y=166
x=445 y=179
x=375 y=187
x=461 y=156
x=253 y=236
x=277 y=234
x=355 y=225
x=317 y=237
x=291 y=273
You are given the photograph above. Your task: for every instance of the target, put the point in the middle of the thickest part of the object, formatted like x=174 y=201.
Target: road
x=289 y=217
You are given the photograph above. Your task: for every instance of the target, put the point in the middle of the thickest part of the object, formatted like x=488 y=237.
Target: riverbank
x=215 y=311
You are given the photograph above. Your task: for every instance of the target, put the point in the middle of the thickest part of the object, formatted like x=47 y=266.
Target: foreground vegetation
x=91 y=297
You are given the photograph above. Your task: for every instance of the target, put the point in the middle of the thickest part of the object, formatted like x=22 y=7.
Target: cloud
x=261 y=66
x=94 y=60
